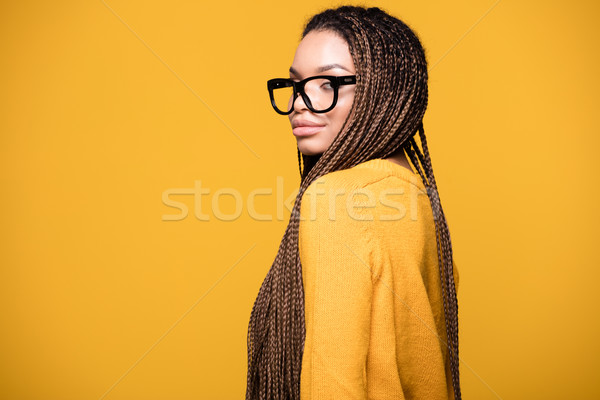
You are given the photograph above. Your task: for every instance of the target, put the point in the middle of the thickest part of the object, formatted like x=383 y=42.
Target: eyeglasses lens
x=319 y=91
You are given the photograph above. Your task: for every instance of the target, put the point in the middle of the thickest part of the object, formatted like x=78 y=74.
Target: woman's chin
x=309 y=150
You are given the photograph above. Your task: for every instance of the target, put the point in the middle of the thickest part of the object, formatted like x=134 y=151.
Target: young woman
x=360 y=302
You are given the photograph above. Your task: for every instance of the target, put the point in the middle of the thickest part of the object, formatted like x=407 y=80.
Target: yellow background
x=106 y=105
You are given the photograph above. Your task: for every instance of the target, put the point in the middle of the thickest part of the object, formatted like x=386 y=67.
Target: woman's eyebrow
x=322 y=68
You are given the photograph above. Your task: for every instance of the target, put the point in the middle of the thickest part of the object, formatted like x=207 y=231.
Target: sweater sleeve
x=337 y=271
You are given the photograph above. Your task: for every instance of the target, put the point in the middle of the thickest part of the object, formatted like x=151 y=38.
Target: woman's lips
x=301 y=131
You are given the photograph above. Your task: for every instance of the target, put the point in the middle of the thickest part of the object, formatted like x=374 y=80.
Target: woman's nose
x=299 y=103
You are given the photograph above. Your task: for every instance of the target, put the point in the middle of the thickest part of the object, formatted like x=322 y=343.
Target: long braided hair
x=389 y=105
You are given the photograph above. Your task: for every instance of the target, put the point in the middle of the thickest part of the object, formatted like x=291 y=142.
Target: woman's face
x=321 y=53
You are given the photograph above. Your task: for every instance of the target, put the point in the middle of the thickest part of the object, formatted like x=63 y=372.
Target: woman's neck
x=399 y=158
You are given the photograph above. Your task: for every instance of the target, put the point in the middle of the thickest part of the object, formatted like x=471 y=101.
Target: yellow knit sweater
x=374 y=314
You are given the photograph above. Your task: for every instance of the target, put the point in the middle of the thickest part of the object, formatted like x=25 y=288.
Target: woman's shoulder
x=375 y=174
x=377 y=189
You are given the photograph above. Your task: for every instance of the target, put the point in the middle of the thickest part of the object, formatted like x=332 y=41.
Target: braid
x=446 y=268
x=411 y=148
x=389 y=104
x=299 y=161
x=444 y=254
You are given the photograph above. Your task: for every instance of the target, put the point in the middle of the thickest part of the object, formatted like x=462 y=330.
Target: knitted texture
x=374 y=313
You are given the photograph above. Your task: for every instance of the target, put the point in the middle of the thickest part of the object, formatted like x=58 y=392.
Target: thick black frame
x=298 y=87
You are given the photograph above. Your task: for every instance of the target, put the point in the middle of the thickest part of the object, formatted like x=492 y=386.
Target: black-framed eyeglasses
x=320 y=92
